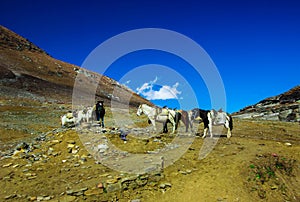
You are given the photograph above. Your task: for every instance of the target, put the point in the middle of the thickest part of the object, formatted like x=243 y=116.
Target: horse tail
x=230 y=122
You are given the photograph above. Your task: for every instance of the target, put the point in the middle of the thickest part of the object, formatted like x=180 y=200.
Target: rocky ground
x=40 y=161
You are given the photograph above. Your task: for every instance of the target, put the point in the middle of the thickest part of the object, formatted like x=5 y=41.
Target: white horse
x=89 y=114
x=77 y=117
x=68 y=120
x=157 y=114
x=85 y=115
x=81 y=117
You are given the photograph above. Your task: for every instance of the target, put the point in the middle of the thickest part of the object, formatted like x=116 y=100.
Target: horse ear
x=220 y=110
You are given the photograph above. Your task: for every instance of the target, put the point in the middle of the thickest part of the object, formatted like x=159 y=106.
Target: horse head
x=194 y=113
x=139 y=111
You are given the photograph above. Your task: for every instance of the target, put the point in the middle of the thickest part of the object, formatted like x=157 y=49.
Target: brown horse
x=180 y=115
x=185 y=119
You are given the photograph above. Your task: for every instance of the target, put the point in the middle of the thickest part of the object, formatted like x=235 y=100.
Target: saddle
x=164 y=112
x=218 y=117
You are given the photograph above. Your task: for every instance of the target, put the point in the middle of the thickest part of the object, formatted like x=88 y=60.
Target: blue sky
x=253 y=44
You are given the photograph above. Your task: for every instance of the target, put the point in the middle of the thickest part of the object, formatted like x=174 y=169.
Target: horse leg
x=228 y=129
x=186 y=123
x=228 y=133
x=210 y=124
x=153 y=123
x=173 y=124
x=210 y=131
x=206 y=123
x=174 y=128
x=165 y=126
x=205 y=132
x=178 y=117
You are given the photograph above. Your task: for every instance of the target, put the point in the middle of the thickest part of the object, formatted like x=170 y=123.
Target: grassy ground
x=259 y=163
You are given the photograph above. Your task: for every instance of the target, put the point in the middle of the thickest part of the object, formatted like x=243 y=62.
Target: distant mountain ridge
x=283 y=107
x=11 y=40
x=29 y=72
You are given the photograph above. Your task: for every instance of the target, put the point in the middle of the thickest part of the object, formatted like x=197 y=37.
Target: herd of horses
x=76 y=117
x=209 y=118
x=163 y=115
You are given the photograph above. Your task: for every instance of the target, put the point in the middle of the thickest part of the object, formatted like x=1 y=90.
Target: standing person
x=100 y=112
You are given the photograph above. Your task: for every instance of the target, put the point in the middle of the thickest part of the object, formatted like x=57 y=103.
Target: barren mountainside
x=28 y=71
x=283 y=107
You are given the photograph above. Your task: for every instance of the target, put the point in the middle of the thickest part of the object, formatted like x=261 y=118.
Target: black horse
x=199 y=113
x=100 y=113
x=212 y=117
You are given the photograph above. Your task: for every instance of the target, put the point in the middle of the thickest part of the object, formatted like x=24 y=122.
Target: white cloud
x=163 y=93
x=127 y=82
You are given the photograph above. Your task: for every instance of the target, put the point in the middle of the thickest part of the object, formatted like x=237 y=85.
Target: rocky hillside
x=283 y=107
x=27 y=71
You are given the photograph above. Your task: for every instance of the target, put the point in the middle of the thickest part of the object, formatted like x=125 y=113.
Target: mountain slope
x=283 y=107
x=28 y=71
